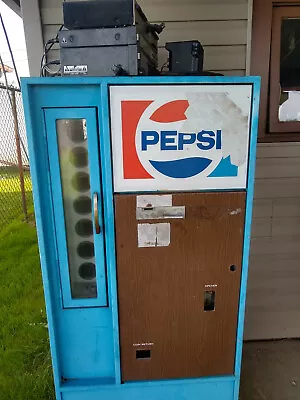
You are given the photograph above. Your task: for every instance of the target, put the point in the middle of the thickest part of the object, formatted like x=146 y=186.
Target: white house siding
x=221 y=28
x=273 y=303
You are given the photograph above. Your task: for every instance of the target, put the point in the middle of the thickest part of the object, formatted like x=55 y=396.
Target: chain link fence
x=15 y=182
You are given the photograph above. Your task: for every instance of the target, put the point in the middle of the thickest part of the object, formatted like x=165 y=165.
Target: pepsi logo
x=180 y=136
x=160 y=140
x=180 y=141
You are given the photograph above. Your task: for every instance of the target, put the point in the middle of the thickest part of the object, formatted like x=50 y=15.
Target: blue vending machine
x=143 y=193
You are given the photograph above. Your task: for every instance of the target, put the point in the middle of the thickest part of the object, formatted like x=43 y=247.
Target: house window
x=276 y=57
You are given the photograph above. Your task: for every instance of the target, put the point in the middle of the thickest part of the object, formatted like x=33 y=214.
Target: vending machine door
x=179 y=259
x=73 y=148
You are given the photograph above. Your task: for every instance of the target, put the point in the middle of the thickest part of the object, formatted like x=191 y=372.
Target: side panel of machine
x=179 y=263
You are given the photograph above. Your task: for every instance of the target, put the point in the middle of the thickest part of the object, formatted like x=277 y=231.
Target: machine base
x=222 y=388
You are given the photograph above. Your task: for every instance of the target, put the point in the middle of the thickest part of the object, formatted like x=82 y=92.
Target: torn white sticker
x=163 y=235
x=160 y=213
x=146 y=235
x=154 y=201
x=154 y=235
x=219 y=108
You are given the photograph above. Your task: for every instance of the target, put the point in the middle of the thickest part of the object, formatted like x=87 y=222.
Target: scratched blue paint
x=85 y=341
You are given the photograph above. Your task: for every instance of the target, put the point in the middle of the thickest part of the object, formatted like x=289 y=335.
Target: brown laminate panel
x=164 y=330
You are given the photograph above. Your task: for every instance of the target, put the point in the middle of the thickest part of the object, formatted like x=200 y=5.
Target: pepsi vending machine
x=143 y=192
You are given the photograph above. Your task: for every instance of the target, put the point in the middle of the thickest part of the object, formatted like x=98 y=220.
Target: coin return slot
x=209 y=300
x=143 y=354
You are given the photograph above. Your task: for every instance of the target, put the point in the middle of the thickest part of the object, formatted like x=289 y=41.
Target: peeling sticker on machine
x=154 y=235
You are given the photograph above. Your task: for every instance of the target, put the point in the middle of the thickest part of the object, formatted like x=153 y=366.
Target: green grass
x=10 y=196
x=25 y=365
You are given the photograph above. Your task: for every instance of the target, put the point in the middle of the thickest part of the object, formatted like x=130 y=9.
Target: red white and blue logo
x=155 y=143
x=179 y=137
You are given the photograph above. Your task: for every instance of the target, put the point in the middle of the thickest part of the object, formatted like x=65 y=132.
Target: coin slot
x=143 y=354
x=209 y=300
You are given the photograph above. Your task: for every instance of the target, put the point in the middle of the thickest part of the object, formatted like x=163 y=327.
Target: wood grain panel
x=161 y=289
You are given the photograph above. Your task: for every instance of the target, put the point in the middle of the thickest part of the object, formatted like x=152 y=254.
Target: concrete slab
x=271 y=370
